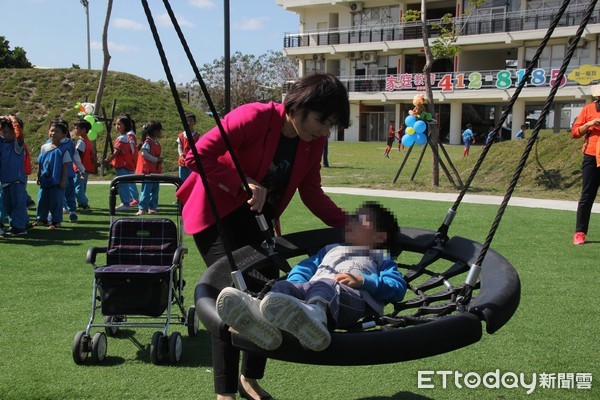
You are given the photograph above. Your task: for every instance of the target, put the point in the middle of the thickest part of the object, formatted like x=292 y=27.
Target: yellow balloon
x=410 y=130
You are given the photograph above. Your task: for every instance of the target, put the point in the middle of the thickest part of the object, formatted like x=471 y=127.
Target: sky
x=54 y=33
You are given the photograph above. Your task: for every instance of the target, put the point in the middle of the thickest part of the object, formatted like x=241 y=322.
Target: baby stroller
x=141 y=284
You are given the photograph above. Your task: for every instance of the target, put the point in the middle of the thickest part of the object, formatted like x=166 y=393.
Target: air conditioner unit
x=356 y=6
x=354 y=55
x=369 y=57
x=318 y=57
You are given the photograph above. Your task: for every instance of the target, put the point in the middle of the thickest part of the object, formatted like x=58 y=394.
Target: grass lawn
x=45 y=300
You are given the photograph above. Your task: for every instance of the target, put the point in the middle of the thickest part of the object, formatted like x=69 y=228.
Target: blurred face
x=361 y=231
x=311 y=127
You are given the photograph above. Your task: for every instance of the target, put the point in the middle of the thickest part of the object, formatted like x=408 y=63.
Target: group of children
x=61 y=176
x=65 y=165
x=128 y=158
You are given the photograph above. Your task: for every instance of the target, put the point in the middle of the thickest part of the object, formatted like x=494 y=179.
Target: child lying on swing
x=332 y=289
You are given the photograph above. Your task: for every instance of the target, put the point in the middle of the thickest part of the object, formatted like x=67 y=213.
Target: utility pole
x=86 y=5
x=227 y=58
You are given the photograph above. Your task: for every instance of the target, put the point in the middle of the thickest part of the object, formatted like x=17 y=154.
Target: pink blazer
x=253 y=131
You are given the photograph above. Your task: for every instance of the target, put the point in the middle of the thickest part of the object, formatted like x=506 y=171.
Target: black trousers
x=240 y=229
x=590 y=176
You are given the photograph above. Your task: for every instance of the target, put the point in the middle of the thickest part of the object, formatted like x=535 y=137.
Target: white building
x=380 y=59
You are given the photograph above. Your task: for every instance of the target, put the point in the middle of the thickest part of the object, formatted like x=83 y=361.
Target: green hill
x=38 y=95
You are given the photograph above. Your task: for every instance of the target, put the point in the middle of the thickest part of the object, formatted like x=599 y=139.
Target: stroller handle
x=138 y=178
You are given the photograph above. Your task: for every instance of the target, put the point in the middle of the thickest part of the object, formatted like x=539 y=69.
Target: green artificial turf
x=45 y=298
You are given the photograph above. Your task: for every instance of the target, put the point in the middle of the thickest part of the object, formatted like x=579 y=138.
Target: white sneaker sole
x=240 y=311
x=288 y=314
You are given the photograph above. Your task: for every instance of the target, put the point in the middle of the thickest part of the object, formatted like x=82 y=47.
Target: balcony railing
x=455 y=81
x=471 y=25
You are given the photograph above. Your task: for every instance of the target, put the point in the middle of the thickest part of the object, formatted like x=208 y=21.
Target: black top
x=280 y=170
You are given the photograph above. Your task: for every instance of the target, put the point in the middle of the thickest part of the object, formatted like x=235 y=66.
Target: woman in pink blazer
x=279 y=148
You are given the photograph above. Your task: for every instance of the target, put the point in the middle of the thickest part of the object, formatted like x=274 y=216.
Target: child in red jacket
x=149 y=162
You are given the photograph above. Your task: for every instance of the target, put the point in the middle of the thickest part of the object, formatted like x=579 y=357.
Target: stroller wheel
x=175 y=348
x=80 y=347
x=111 y=330
x=99 y=346
x=192 y=322
x=156 y=351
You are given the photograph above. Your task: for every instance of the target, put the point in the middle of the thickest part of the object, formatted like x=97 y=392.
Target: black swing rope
x=474 y=273
x=269 y=241
x=442 y=233
x=443 y=229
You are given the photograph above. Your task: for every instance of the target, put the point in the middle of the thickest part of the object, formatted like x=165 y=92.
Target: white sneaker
x=122 y=207
x=307 y=322
x=241 y=312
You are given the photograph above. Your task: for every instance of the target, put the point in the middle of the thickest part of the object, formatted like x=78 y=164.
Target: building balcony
x=471 y=25
x=469 y=84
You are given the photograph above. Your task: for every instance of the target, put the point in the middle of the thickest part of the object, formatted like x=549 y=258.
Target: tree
x=16 y=58
x=102 y=83
x=442 y=47
x=252 y=79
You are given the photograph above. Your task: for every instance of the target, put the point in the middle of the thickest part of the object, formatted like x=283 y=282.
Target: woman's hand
x=352 y=280
x=259 y=195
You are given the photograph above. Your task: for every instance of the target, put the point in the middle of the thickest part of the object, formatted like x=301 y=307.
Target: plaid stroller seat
x=140 y=260
x=141 y=284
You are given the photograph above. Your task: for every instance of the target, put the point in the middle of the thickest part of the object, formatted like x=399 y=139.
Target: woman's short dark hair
x=321 y=93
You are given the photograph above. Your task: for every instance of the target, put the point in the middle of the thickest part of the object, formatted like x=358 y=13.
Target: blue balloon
x=420 y=138
x=408 y=140
x=420 y=126
x=410 y=120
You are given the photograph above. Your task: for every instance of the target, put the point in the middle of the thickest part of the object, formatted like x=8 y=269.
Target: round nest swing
x=426 y=324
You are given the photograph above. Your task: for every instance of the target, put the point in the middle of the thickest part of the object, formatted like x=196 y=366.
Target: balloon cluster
x=86 y=111
x=414 y=131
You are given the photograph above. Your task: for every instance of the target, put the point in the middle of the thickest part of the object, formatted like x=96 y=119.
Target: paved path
x=451 y=197
x=469 y=198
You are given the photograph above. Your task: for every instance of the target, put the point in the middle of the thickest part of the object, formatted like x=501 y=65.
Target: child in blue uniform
x=70 y=203
x=332 y=289
x=54 y=161
x=12 y=175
